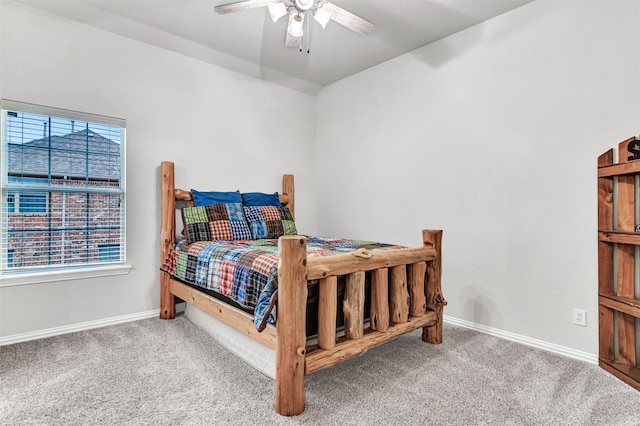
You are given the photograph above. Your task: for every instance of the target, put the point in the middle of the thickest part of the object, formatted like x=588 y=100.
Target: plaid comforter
x=246 y=271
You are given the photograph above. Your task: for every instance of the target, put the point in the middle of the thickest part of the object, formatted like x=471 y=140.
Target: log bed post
x=433 y=286
x=291 y=338
x=167 y=236
x=288 y=191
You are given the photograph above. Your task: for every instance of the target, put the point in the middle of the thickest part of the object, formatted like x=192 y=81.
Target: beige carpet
x=169 y=372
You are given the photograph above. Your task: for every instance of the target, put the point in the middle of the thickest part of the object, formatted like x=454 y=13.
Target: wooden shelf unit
x=619 y=262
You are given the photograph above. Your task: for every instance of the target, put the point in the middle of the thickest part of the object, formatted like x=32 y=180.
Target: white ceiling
x=249 y=42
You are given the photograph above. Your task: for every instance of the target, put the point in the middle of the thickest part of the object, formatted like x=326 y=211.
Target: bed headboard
x=169 y=196
x=286 y=198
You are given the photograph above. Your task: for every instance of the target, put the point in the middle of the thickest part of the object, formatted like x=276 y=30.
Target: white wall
x=492 y=135
x=224 y=131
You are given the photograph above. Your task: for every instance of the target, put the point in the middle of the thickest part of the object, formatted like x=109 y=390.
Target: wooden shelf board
x=626 y=305
x=630 y=168
x=620 y=237
x=627 y=373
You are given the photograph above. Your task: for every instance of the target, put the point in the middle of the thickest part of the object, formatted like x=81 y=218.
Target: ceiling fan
x=321 y=10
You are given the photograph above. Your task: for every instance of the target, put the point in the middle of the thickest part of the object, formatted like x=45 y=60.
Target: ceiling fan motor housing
x=304 y=4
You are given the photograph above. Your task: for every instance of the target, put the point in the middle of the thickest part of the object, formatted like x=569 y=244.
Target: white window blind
x=63 y=189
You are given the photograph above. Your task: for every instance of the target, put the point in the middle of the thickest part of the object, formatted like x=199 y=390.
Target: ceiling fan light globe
x=295 y=27
x=322 y=16
x=276 y=10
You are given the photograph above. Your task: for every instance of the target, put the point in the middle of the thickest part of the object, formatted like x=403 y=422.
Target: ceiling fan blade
x=241 y=5
x=349 y=20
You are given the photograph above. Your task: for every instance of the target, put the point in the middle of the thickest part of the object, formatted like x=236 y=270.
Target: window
x=27 y=202
x=30 y=202
x=63 y=189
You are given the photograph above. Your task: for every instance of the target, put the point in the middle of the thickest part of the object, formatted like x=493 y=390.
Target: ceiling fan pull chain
x=301 y=41
x=308 y=36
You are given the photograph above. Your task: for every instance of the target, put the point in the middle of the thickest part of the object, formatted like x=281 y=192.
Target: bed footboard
x=406 y=295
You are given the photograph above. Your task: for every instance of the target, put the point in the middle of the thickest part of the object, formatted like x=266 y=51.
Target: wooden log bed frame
x=405 y=295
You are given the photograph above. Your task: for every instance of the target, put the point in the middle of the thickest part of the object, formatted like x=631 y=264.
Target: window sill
x=64 y=275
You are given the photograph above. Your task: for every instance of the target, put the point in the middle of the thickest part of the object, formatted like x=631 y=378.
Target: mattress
x=246 y=271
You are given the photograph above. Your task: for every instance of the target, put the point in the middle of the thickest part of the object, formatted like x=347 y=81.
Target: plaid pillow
x=270 y=221
x=215 y=222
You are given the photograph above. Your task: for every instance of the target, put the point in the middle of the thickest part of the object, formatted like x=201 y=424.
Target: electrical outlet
x=580 y=317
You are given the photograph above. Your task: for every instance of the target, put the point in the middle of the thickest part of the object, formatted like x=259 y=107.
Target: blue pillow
x=201 y=198
x=257 y=199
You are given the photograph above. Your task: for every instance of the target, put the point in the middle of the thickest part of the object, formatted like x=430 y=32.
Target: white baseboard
x=56 y=331
x=540 y=344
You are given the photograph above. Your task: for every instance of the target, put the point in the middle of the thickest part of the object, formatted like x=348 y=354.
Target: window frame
x=62 y=272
